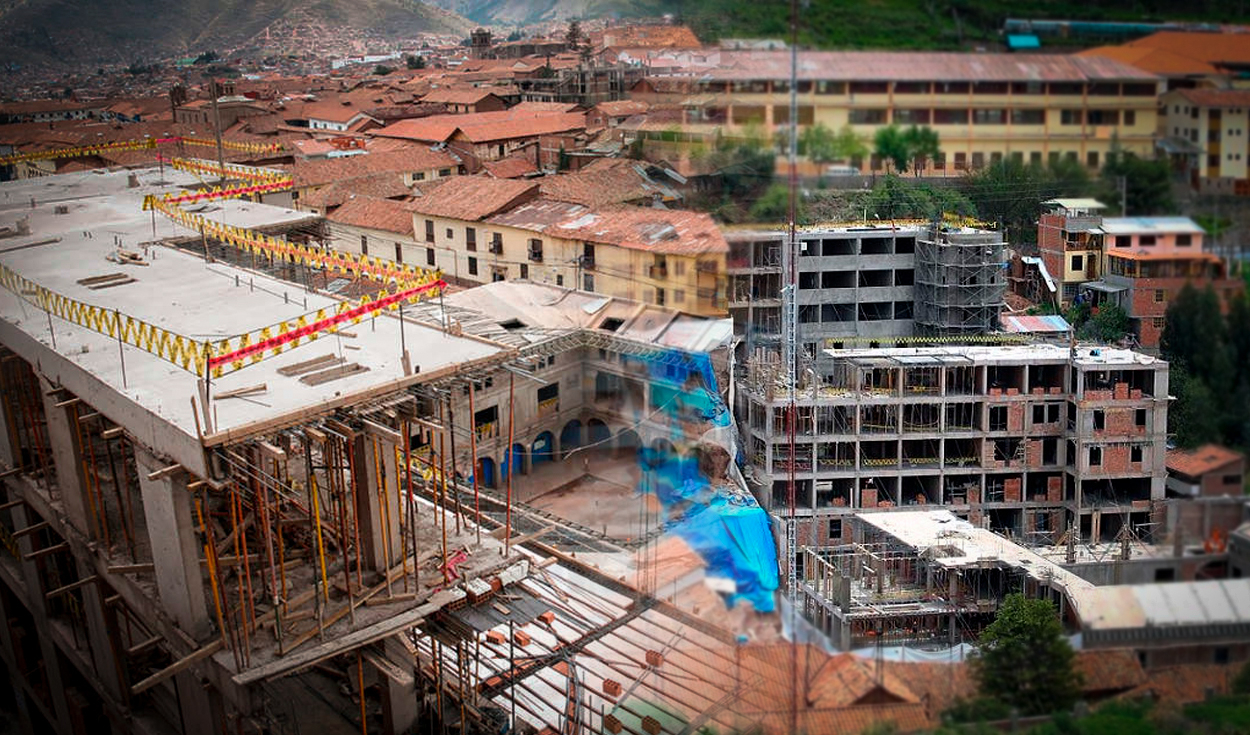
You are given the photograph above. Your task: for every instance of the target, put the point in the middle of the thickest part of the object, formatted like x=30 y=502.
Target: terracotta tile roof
x=1198 y=462
x=1217 y=97
x=513 y=167
x=375 y=214
x=648 y=36
x=1183 y=684
x=606 y=185
x=331 y=110
x=937 y=684
x=531 y=106
x=524 y=126
x=1154 y=60
x=622 y=108
x=325 y=171
x=379 y=186
x=1109 y=671
x=653 y=230
x=1213 y=48
x=453 y=96
x=924 y=66
x=474 y=197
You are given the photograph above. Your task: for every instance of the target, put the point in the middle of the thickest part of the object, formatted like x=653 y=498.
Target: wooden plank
x=30 y=529
x=143 y=645
x=177 y=667
x=110 y=284
x=334 y=373
x=354 y=639
x=47 y=550
x=163 y=472
x=395 y=673
x=116 y=431
x=68 y=402
x=132 y=568
x=309 y=365
x=385 y=433
x=271 y=451
x=71 y=586
x=238 y=392
x=100 y=279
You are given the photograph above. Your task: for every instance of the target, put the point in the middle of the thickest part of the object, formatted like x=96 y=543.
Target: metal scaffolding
x=960 y=281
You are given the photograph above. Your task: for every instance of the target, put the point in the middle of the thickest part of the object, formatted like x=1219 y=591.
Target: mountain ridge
x=66 y=32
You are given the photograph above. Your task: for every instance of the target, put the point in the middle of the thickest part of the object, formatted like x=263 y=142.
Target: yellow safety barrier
x=87 y=150
x=186 y=353
x=971 y=339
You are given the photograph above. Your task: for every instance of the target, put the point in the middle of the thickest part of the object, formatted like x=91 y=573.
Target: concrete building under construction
x=1034 y=441
x=874 y=283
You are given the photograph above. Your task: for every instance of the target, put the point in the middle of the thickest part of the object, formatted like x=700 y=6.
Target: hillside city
x=611 y=375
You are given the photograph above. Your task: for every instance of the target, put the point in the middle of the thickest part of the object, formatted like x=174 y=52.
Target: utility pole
x=1123 y=196
x=215 y=91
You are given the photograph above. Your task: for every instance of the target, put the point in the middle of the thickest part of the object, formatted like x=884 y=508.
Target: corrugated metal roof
x=1149 y=225
x=1030 y=324
x=925 y=66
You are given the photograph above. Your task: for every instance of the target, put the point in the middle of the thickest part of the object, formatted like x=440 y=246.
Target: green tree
x=1148 y=183
x=822 y=145
x=923 y=145
x=1110 y=324
x=891 y=146
x=1023 y=659
x=1241 y=682
x=895 y=197
x=1010 y=192
x=774 y=206
x=414 y=62
x=573 y=36
x=381 y=70
x=1195 y=337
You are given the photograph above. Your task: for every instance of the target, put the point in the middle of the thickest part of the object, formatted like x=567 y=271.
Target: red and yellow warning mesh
x=137 y=145
x=230 y=170
x=186 y=353
x=86 y=150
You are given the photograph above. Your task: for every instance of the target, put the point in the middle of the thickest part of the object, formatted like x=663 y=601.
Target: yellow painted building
x=481 y=230
x=984 y=107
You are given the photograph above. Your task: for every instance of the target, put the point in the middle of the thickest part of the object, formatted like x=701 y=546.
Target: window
x=911 y=88
x=1028 y=117
x=1158 y=322
x=950 y=117
x=679 y=266
x=1135 y=453
x=1130 y=118
x=549 y=392
x=451 y=235
x=1095 y=456
x=1039 y=414
x=364 y=245
x=1078 y=262
x=470 y=238
x=559 y=280
x=835 y=528
x=496 y=243
x=1100 y=420
x=912 y=117
x=1071 y=117
x=588 y=282
x=1123 y=241
x=870 y=87
x=1160 y=296
x=679 y=296
x=418 y=176
x=1027 y=88
x=1069 y=88
x=870 y=116
x=444 y=172
x=1184 y=241
x=961 y=161
x=1139 y=417
x=429 y=256
x=978 y=160
x=1103 y=117
x=1091 y=159
x=473 y=266
x=989 y=117
x=998 y=418
x=525 y=270
x=1231 y=479
x=429 y=230
x=399 y=253
x=536 y=250
x=659 y=297
x=1035 y=158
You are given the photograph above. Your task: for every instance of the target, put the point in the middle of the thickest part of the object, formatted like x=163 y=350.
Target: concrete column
x=8 y=440
x=379 y=529
x=104 y=652
x=399 y=700
x=35 y=603
x=167 y=508
x=67 y=455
